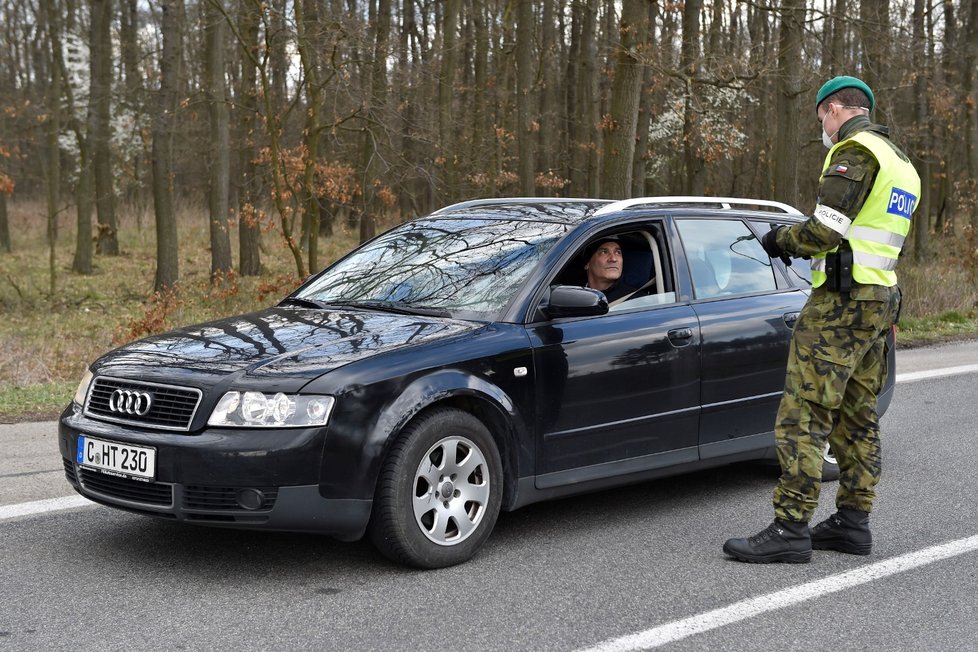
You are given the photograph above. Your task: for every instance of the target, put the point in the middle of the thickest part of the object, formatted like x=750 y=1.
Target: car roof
x=575 y=211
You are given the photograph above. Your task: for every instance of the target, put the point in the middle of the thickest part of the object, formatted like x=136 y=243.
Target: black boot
x=781 y=541
x=845 y=531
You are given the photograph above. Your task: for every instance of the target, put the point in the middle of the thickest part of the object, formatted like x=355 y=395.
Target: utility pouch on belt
x=838 y=271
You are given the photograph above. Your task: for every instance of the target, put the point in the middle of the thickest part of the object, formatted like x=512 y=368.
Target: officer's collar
x=859 y=123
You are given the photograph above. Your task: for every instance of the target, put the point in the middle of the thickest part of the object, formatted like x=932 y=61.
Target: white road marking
x=42 y=506
x=936 y=373
x=704 y=622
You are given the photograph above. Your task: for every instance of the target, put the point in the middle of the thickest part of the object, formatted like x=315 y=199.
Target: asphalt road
x=563 y=575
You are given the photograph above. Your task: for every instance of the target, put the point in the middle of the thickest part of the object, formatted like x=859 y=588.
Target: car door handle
x=790 y=318
x=680 y=336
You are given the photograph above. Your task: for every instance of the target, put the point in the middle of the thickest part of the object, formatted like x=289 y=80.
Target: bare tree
x=249 y=226
x=52 y=23
x=100 y=96
x=785 y=162
x=970 y=101
x=5 y=244
x=446 y=95
x=373 y=150
x=921 y=222
x=167 y=260
x=525 y=138
x=694 y=175
x=219 y=146
x=620 y=126
x=84 y=184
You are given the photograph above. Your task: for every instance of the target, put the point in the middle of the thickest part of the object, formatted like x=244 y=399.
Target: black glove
x=770 y=243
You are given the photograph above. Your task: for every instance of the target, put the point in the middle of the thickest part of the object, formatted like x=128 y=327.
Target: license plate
x=113 y=458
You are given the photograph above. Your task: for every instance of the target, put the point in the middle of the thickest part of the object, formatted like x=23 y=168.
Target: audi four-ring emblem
x=128 y=401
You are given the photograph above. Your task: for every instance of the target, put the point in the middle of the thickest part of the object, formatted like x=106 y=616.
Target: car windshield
x=463 y=267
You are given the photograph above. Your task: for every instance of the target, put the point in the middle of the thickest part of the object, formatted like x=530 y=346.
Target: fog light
x=250 y=498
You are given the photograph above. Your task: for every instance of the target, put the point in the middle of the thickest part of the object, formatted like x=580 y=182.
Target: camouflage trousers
x=836 y=369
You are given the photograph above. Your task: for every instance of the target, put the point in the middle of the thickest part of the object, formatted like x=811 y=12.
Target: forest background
x=166 y=161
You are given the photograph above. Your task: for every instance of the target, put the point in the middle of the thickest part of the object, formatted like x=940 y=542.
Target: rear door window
x=725 y=258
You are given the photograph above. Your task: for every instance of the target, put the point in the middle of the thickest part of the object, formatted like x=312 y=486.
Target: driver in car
x=604 y=267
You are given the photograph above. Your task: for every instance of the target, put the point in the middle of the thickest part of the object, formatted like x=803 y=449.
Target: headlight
x=258 y=410
x=82 y=392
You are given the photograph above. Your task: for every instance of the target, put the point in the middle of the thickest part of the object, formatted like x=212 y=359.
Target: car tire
x=830 y=466
x=441 y=451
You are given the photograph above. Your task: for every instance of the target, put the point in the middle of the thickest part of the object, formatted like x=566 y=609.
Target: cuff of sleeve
x=833 y=219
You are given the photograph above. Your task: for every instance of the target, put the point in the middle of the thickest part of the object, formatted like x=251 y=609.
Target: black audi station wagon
x=453 y=367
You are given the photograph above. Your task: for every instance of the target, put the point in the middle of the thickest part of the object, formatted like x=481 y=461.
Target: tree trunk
x=249 y=227
x=921 y=157
x=626 y=92
x=789 y=101
x=641 y=157
x=219 y=145
x=167 y=260
x=129 y=30
x=307 y=42
x=944 y=222
x=5 y=244
x=525 y=136
x=582 y=103
x=877 y=56
x=100 y=47
x=970 y=102
x=694 y=176
x=481 y=109
x=547 y=110
x=446 y=95
x=84 y=190
x=82 y=262
x=372 y=154
x=53 y=125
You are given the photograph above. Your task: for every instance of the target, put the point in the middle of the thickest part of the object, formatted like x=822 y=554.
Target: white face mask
x=827 y=139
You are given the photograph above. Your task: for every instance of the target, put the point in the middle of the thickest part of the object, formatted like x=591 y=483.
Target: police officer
x=837 y=360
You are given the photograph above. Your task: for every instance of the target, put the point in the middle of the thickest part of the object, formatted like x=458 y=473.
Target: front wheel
x=830 y=465
x=439 y=492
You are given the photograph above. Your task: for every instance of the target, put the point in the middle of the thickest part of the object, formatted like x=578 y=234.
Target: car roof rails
x=723 y=202
x=496 y=201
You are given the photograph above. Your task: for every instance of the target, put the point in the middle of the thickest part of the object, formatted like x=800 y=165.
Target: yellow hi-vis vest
x=877 y=233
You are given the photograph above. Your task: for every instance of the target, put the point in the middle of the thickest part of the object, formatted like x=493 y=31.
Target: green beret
x=844 y=81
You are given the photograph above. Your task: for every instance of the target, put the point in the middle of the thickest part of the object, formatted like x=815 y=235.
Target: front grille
x=222 y=498
x=172 y=408
x=70 y=471
x=147 y=493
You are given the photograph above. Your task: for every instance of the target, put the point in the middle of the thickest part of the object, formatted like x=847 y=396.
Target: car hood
x=283 y=342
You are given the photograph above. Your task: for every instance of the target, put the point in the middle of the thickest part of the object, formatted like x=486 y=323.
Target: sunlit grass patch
x=40 y=401
x=918 y=331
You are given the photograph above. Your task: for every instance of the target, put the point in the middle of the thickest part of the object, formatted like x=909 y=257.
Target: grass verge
x=40 y=402
x=947 y=327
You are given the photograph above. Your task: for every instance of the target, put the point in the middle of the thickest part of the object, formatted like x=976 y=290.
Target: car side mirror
x=573 y=301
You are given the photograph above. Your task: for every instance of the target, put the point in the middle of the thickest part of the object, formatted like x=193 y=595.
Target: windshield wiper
x=397 y=307
x=305 y=303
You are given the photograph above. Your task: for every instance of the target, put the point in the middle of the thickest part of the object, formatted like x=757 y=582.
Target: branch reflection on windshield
x=460 y=266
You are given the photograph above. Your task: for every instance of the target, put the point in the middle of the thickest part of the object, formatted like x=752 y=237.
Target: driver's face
x=604 y=266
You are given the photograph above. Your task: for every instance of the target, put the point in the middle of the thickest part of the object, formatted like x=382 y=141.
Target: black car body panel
x=653 y=387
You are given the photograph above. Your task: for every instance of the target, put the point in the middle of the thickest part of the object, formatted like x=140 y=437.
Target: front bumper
x=252 y=479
